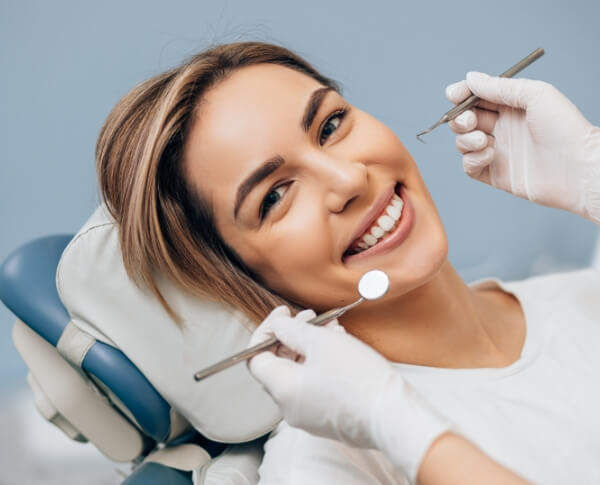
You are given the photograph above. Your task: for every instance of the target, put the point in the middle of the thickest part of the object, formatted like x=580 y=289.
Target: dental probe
x=372 y=285
x=472 y=100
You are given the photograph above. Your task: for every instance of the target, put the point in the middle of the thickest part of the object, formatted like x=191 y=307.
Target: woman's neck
x=443 y=323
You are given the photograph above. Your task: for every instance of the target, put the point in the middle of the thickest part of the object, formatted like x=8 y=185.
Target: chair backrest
x=230 y=407
x=104 y=398
x=27 y=287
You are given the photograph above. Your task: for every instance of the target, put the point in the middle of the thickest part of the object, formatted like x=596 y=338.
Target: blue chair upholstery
x=28 y=286
x=28 y=289
x=156 y=474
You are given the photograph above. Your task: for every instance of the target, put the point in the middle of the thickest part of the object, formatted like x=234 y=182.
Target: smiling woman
x=331 y=174
x=244 y=176
x=165 y=225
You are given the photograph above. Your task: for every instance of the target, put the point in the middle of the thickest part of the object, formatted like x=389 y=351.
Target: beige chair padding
x=230 y=407
x=186 y=457
x=68 y=399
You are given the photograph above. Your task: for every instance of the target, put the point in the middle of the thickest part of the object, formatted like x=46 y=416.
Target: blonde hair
x=165 y=226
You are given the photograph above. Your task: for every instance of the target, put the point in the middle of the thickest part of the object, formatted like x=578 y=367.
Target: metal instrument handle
x=250 y=352
x=510 y=72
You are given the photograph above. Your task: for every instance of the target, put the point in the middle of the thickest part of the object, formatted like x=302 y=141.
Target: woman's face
x=305 y=188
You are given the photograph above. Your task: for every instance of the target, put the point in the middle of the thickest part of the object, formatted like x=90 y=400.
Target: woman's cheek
x=301 y=243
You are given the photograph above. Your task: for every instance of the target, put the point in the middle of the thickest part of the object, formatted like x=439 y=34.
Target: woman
x=244 y=176
x=525 y=138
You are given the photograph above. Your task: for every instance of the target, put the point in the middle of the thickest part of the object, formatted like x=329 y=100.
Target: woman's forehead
x=253 y=99
x=262 y=81
x=251 y=115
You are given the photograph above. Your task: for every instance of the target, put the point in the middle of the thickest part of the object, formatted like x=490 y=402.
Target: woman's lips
x=392 y=239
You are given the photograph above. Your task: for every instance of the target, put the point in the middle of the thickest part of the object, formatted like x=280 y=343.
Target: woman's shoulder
x=581 y=284
x=294 y=457
x=559 y=294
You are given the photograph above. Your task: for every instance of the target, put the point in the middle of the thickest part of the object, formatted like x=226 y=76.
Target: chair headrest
x=101 y=299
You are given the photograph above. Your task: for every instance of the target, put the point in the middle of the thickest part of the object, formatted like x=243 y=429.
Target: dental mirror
x=371 y=286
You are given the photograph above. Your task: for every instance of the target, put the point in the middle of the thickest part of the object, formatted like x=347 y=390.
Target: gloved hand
x=528 y=139
x=333 y=385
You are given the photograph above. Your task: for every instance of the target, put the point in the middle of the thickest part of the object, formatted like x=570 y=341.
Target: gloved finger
x=280 y=310
x=486 y=119
x=263 y=331
x=464 y=122
x=476 y=164
x=483 y=104
x=474 y=141
x=510 y=92
x=475 y=118
x=305 y=315
x=286 y=353
x=295 y=335
x=458 y=92
x=271 y=371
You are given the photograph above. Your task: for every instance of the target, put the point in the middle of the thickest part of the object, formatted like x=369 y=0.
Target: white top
x=539 y=417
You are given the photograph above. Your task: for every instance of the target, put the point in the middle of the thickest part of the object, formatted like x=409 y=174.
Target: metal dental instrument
x=372 y=285
x=472 y=100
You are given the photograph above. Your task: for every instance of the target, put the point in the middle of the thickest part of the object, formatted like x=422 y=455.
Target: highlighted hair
x=165 y=227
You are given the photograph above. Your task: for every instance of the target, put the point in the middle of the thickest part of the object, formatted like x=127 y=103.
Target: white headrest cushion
x=101 y=299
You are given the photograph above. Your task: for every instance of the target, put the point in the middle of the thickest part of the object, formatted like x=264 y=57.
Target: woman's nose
x=344 y=181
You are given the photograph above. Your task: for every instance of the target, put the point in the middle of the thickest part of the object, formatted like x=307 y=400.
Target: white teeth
x=385 y=222
x=393 y=212
x=369 y=239
x=382 y=225
x=377 y=231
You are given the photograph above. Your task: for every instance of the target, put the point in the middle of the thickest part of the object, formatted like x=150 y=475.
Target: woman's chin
x=422 y=266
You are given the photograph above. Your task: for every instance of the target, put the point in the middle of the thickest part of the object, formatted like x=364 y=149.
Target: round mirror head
x=373 y=284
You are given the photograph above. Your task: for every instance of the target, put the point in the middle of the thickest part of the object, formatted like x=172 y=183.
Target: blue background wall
x=65 y=64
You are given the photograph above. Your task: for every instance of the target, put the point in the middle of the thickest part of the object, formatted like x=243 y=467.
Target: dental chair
x=107 y=365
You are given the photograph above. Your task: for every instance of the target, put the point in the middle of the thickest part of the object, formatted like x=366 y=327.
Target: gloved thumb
x=272 y=372
x=263 y=331
x=294 y=334
x=516 y=93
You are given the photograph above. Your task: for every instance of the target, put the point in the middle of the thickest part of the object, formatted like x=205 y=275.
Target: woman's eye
x=271 y=200
x=331 y=125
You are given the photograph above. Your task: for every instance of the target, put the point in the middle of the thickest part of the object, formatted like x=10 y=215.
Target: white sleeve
x=295 y=457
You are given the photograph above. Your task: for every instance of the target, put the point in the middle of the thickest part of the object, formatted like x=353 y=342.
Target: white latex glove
x=530 y=140
x=335 y=386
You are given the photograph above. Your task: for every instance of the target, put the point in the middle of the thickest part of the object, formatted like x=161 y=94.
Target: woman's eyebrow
x=313 y=105
x=255 y=178
x=273 y=163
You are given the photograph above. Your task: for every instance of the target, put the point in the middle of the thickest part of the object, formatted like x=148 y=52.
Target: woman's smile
x=385 y=229
x=309 y=209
